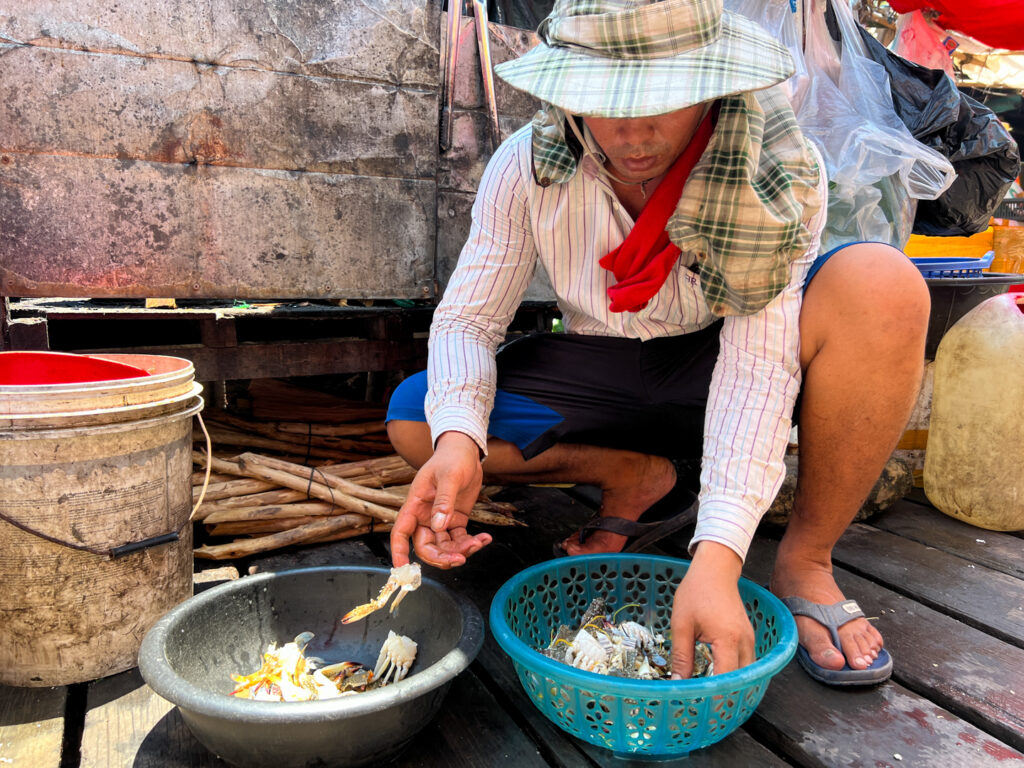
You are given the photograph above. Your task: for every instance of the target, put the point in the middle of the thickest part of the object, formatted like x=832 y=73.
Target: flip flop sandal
x=674 y=511
x=832 y=617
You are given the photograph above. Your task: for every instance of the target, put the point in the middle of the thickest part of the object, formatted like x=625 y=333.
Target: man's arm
x=746 y=429
x=483 y=293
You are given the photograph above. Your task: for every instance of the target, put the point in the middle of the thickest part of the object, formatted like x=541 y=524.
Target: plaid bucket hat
x=633 y=58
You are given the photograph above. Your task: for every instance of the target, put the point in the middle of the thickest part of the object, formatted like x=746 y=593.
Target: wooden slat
x=471 y=731
x=73 y=226
x=980 y=596
x=977 y=677
x=31 y=726
x=927 y=525
x=127 y=725
x=882 y=726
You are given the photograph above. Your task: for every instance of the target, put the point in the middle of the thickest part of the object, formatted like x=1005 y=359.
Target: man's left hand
x=707 y=606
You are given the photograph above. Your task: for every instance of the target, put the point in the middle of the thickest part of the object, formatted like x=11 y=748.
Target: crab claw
x=341 y=670
x=364 y=610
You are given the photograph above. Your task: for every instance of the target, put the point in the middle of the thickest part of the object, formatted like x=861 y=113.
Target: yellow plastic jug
x=974 y=465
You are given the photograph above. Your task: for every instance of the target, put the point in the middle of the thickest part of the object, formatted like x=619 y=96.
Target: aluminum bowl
x=189 y=655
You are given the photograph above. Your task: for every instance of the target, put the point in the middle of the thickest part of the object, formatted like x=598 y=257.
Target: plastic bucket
x=95 y=498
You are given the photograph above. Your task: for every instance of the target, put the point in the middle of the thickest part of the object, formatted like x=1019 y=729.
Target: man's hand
x=434 y=515
x=707 y=606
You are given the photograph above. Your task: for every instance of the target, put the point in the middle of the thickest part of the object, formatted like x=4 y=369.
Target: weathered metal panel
x=237 y=148
x=99 y=105
x=106 y=227
x=391 y=41
x=216 y=149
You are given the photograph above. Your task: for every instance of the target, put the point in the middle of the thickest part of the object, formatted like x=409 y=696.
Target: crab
x=396 y=656
x=403 y=579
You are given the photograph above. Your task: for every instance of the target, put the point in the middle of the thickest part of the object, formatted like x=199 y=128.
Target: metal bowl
x=189 y=655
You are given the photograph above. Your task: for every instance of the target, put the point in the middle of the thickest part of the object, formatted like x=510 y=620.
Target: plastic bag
x=922 y=42
x=968 y=133
x=876 y=169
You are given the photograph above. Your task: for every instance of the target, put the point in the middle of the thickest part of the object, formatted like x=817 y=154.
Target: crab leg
x=405 y=578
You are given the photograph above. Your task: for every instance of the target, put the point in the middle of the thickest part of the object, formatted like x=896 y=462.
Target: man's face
x=641 y=148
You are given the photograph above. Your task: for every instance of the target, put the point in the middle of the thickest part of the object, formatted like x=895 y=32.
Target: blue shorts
x=647 y=396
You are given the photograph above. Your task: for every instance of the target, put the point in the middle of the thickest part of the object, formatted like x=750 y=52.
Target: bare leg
x=863 y=327
x=630 y=482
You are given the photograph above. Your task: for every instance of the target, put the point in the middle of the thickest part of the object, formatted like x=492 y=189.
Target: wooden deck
x=948 y=597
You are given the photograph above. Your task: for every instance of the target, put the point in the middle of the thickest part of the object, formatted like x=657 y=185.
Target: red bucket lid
x=37 y=368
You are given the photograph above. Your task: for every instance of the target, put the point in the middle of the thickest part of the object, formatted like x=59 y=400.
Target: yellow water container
x=974 y=466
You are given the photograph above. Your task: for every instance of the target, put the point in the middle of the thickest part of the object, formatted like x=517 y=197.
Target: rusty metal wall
x=236 y=148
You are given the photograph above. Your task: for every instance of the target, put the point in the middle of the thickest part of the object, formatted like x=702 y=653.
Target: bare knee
x=411 y=440
x=870 y=292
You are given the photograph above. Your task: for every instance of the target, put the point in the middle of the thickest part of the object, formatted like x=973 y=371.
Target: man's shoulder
x=513 y=157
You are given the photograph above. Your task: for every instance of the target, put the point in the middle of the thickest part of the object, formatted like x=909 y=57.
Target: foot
x=632 y=493
x=813 y=581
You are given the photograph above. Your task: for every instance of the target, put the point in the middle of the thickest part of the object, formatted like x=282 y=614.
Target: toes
x=814 y=638
x=862 y=643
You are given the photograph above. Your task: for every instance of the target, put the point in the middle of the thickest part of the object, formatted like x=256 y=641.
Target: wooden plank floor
x=948 y=597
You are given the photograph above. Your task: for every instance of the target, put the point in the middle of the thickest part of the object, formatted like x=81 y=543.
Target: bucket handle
x=209 y=467
x=133 y=546
x=112 y=552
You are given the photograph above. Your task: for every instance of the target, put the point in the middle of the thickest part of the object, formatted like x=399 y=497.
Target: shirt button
x=545 y=182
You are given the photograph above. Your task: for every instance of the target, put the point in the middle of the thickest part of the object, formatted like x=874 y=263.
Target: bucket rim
x=153 y=380
x=43 y=431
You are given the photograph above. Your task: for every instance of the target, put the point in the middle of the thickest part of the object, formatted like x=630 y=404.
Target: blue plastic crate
x=953 y=266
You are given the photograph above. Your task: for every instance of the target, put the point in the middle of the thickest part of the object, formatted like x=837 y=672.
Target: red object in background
x=36 y=368
x=997 y=23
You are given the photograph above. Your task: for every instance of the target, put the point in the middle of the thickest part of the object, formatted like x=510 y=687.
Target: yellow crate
x=1008 y=243
x=972 y=247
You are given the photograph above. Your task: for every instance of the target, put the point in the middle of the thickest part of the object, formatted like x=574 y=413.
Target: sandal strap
x=619 y=525
x=832 y=617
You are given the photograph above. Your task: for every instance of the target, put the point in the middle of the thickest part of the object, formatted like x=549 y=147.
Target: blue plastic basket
x=633 y=718
x=953 y=266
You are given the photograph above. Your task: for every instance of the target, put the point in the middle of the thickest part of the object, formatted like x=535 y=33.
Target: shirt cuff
x=727 y=522
x=456 y=420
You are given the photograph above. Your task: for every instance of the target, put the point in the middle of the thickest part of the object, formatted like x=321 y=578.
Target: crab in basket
x=621 y=649
x=287 y=674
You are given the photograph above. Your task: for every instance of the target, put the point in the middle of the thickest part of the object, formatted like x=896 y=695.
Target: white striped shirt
x=566 y=228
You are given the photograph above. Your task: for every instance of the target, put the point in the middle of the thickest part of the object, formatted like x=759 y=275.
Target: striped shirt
x=566 y=228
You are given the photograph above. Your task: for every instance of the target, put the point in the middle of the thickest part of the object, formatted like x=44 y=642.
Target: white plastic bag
x=876 y=169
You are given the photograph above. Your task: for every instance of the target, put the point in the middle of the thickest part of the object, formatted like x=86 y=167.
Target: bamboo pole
x=261 y=527
x=303 y=480
x=304 y=438
x=271 y=512
x=275 y=497
x=240 y=487
x=313 y=532
x=245 y=440
x=268 y=468
x=330 y=430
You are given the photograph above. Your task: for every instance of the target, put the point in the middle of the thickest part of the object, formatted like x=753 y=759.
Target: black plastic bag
x=984 y=155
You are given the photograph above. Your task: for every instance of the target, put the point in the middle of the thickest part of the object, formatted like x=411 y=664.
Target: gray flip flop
x=832 y=617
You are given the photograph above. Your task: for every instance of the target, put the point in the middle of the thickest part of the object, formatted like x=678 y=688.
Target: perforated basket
x=953 y=266
x=633 y=718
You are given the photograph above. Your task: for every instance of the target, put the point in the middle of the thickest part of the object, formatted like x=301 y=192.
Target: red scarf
x=646 y=257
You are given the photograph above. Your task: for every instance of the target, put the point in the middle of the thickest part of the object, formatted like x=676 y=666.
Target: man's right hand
x=435 y=513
